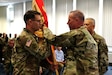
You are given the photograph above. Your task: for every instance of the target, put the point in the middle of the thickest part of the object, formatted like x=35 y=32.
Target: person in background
x=60 y=59
x=28 y=53
x=10 y=36
x=1 y=47
x=5 y=37
x=15 y=36
x=102 y=46
x=7 y=53
x=82 y=49
x=2 y=44
x=0 y=34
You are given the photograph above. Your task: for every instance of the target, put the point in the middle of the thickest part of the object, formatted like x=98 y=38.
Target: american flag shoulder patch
x=28 y=43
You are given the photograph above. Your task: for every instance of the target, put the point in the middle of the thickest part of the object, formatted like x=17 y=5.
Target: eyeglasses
x=40 y=21
x=86 y=24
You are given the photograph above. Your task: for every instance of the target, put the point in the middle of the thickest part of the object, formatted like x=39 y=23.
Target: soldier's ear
x=29 y=22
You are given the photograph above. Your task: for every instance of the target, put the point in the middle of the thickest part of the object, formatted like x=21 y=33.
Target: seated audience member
x=60 y=59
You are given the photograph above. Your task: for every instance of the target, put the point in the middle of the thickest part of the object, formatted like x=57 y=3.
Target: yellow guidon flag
x=38 y=5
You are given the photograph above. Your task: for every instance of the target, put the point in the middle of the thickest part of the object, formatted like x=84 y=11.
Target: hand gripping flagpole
x=38 y=5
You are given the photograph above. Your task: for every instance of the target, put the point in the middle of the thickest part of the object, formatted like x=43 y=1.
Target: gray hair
x=92 y=20
x=78 y=14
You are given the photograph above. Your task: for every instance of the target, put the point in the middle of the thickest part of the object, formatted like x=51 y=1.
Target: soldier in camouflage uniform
x=7 y=52
x=82 y=49
x=27 y=52
x=102 y=46
x=2 y=43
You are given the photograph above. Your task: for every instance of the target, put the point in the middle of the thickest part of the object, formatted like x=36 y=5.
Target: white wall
x=110 y=54
x=107 y=22
x=18 y=24
x=3 y=20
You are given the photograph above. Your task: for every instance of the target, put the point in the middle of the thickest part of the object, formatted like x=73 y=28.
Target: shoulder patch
x=28 y=43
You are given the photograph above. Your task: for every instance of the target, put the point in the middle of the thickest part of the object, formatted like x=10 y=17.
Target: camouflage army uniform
x=28 y=53
x=7 y=52
x=82 y=51
x=102 y=53
x=2 y=44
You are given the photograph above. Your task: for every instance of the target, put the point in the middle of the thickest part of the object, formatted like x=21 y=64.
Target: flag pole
x=54 y=59
x=38 y=5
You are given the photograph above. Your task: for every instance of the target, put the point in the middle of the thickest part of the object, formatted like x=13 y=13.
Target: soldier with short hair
x=102 y=46
x=7 y=53
x=28 y=52
x=82 y=49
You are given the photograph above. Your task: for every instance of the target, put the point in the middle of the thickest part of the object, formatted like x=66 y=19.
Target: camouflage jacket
x=7 y=52
x=82 y=51
x=28 y=53
x=102 y=53
x=2 y=42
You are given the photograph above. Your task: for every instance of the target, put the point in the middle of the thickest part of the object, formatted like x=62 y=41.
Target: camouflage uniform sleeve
x=48 y=34
x=103 y=56
x=64 y=40
x=2 y=42
x=33 y=48
x=6 y=52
